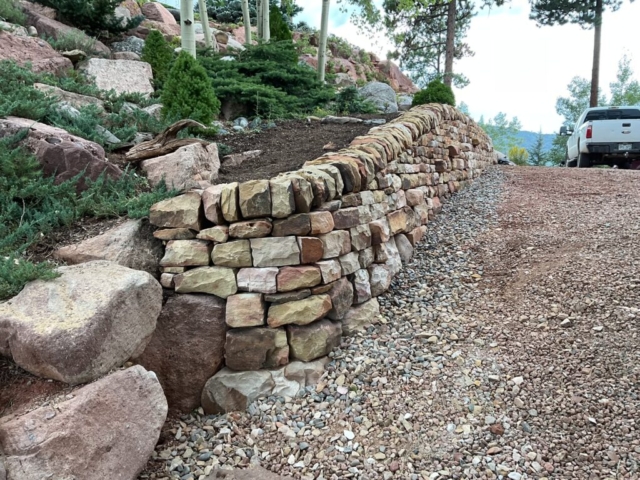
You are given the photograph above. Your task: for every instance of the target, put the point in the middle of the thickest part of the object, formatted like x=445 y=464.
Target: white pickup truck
x=605 y=136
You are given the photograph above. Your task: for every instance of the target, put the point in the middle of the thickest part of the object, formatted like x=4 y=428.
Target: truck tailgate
x=616 y=131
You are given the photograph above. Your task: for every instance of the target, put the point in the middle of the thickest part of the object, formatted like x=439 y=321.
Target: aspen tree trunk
x=451 y=38
x=259 y=10
x=324 y=33
x=204 y=19
x=266 y=29
x=187 y=27
x=247 y=22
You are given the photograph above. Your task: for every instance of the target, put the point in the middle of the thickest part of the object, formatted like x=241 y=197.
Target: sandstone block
x=346 y=218
x=278 y=298
x=235 y=254
x=414 y=197
x=219 y=234
x=330 y=269
x=360 y=237
x=275 y=252
x=183 y=211
x=167 y=234
x=255 y=198
x=299 y=224
x=349 y=263
x=415 y=235
x=250 y=229
x=218 y=281
x=379 y=278
x=404 y=247
x=245 y=310
x=229 y=202
x=301 y=312
x=341 y=294
x=366 y=257
x=186 y=253
x=302 y=194
x=361 y=286
x=295 y=278
x=360 y=316
x=335 y=243
x=321 y=222
x=229 y=391
x=282 y=201
x=314 y=341
x=258 y=280
x=256 y=348
x=311 y=249
x=166 y=280
x=397 y=221
x=380 y=232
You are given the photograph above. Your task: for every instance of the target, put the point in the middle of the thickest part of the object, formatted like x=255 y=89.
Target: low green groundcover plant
x=31 y=206
x=436 y=92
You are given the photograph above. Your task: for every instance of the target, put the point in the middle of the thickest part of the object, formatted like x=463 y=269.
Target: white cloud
x=519 y=68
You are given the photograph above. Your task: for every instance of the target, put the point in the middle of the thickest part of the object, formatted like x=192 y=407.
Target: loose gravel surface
x=508 y=348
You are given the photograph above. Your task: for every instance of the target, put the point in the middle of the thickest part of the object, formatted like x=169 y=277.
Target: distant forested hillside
x=528 y=139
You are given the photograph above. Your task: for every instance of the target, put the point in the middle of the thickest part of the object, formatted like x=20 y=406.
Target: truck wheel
x=584 y=160
x=571 y=163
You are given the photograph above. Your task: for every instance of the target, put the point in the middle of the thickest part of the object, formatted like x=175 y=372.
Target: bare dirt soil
x=289 y=145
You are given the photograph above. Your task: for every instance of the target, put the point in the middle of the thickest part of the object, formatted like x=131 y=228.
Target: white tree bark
x=324 y=33
x=187 y=27
x=259 y=10
x=247 y=22
x=266 y=29
x=204 y=19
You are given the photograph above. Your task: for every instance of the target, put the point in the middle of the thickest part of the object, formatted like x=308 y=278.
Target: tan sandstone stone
x=229 y=202
x=245 y=310
x=255 y=198
x=258 y=280
x=186 y=253
x=301 y=312
x=335 y=243
x=294 y=278
x=234 y=254
x=218 y=281
x=275 y=252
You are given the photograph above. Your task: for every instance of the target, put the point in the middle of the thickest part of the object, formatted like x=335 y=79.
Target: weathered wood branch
x=165 y=143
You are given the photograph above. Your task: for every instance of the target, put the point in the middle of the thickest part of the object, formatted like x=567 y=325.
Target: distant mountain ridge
x=528 y=139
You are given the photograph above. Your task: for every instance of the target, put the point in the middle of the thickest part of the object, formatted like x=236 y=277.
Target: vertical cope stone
x=256 y=348
x=295 y=278
x=300 y=312
x=314 y=341
x=211 y=201
x=232 y=254
x=275 y=252
x=302 y=194
x=218 y=281
x=245 y=310
x=229 y=202
x=183 y=211
x=258 y=280
x=282 y=201
x=255 y=198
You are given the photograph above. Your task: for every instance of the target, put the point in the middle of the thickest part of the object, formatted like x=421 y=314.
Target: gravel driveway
x=508 y=348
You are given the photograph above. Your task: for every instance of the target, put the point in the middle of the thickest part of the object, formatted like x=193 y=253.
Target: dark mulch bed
x=288 y=146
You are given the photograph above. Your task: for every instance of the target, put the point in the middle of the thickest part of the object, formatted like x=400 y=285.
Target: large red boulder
x=35 y=51
x=187 y=347
x=60 y=153
x=398 y=80
x=106 y=430
x=158 y=13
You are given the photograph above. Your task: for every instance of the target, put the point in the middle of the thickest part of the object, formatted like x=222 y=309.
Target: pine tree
x=436 y=92
x=188 y=92
x=537 y=155
x=587 y=14
x=158 y=53
x=279 y=28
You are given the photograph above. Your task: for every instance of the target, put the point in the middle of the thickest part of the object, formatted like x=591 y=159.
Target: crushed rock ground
x=507 y=348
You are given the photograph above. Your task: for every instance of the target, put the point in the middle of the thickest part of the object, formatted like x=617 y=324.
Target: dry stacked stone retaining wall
x=301 y=258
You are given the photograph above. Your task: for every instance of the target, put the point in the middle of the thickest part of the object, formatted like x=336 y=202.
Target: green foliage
x=537 y=155
x=31 y=206
x=95 y=17
x=436 y=92
x=571 y=107
x=159 y=54
x=267 y=80
x=230 y=11
x=188 y=93
x=518 y=155
x=503 y=132
x=17 y=95
x=560 y=12
x=279 y=29
x=625 y=91
x=11 y=12
x=558 y=153
x=74 y=40
x=349 y=102
x=340 y=47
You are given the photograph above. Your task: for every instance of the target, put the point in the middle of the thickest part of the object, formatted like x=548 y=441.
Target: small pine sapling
x=188 y=92
x=158 y=53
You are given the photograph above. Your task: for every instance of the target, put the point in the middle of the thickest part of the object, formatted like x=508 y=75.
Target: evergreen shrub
x=436 y=92
x=279 y=29
x=159 y=54
x=188 y=93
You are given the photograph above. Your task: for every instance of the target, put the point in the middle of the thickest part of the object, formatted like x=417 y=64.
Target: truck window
x=614 y=114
